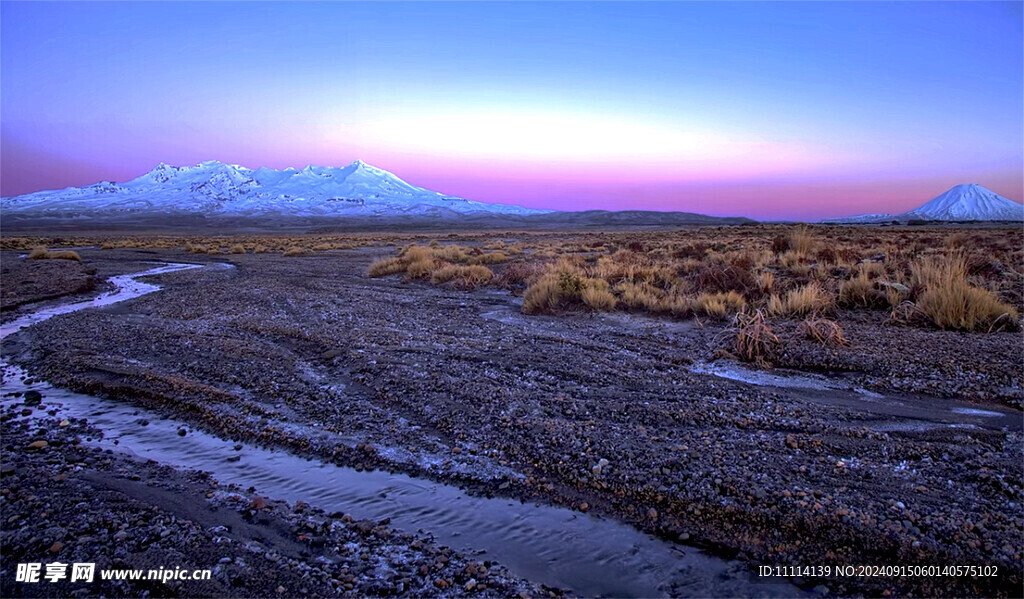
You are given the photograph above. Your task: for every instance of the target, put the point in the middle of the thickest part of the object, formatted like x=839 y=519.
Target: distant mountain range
x=363 y=196
x=213 y=188
x=968 y=202
x=356 y=196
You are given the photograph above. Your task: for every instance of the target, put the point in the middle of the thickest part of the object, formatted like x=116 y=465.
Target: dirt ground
x=608 y=413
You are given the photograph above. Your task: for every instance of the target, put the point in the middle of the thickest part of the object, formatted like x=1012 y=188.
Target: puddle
x=887 y=413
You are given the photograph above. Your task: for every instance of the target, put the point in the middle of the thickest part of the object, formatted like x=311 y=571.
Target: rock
x=38 y=444
x=652 y=514
x=182 y=432
x=56 y=547
x=898 y=287
x=584 y=506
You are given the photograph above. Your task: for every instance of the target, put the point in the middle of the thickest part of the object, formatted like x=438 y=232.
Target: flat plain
x=777 y=395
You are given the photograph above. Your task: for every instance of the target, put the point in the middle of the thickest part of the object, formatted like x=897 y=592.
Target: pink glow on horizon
x=800 y=192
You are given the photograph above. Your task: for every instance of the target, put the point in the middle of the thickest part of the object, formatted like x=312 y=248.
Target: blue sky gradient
x=787 y=110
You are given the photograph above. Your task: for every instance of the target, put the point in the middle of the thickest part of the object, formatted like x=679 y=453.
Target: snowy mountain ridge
x=967 y=202
x=215 y=188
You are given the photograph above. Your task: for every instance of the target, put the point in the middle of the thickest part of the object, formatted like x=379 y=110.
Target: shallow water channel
x=559 y=547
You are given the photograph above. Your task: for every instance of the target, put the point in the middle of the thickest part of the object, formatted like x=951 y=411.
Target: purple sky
x=785 y=110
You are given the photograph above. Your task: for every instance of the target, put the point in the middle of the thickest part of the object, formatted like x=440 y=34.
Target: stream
x=559 y=547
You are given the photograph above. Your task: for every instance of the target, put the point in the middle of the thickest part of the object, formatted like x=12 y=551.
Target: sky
x=768 y=110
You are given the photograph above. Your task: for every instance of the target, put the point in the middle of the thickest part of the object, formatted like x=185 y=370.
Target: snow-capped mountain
x=216 y=189
x=968 y=202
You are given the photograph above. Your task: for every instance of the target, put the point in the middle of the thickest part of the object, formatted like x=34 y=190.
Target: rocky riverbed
x=67 y=501
x=603 y=414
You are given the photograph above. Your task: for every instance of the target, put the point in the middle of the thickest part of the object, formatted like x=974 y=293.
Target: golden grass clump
x=860 y=292
x=237 y=249
x=489 y=258
x=640 y=296
x=560 y=288
x=598 y=297
x=420 y=268
x=951 y=302
x=41 y=253
x=826 y=332
x=294 y=252
x=718 y=305
x=801 y=242
x=755 y=341
x=804 y=300
x=387 y=266
x=463 y=277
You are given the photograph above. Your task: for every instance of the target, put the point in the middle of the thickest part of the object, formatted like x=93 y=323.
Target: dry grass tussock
x=41 y=253
x=826 y=332
x=441 y=264
x=755 y=341
x=811 y=298
x=783 y=271
x=944 y=294
x=561 y=288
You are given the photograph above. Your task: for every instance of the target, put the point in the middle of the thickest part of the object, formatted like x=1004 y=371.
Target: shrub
x=780 y=244
x=237 y=249
x=39 y=253
x=714 y=276
x=296 y=251
x=520 y=273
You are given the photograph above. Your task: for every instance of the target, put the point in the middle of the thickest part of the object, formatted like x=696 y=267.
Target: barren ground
x=608 y=413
